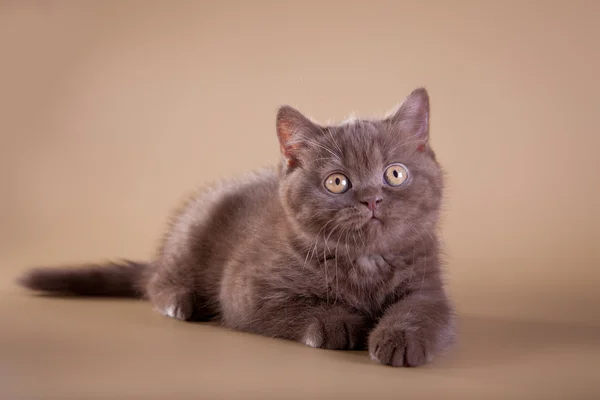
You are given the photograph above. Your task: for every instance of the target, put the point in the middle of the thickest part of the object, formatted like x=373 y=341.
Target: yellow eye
x=337 y=183
x=396 y=174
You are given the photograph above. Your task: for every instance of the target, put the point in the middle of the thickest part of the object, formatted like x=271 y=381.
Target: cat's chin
x=372 y=227
x=374 y=221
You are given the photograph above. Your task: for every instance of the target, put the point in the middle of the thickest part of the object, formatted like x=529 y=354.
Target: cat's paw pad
x=399 y=347
x=335 y=333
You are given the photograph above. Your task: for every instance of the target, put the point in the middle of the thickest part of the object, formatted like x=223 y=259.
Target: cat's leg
x=184 y=282
x=174 y=291
x=327 y=327
x=332 y=327
x=169 y=293
x=413 y=330
x=273 y=312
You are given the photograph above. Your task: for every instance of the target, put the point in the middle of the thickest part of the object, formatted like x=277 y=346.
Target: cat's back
x=223 y=211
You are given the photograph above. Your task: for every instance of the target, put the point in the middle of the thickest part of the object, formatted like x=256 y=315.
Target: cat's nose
x=372 y=202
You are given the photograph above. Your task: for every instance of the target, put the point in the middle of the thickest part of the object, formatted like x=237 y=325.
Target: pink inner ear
x=421 y=148
x=285 y=137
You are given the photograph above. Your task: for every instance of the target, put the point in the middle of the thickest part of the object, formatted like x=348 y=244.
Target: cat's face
x=363 y=186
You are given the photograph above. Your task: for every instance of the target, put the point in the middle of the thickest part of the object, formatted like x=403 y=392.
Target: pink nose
x=372 y=202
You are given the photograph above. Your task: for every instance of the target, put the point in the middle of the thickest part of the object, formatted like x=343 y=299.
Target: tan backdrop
x=110 y=112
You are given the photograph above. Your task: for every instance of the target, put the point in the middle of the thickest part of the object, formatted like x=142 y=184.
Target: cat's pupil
x=337 y=181
x=395 y=173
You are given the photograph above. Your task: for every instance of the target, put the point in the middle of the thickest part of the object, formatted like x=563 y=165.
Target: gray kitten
x=336 y=248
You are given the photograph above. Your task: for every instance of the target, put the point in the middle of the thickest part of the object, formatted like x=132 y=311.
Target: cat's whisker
x=422 y=216
x=325 y=262
x=354 y=240
x=304 y=140
x=336 y=260
x=362 y=239
x=313 y=249
x=404 y=144
x=334 y=141
x=326 y=279
x=424 y=270
x=321 y=159
x=350 y=260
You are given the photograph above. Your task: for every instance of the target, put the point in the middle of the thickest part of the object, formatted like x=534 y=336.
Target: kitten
x=335 y=248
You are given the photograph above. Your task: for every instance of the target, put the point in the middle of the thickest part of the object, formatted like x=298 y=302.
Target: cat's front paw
x=335 y=332
x=399 y=347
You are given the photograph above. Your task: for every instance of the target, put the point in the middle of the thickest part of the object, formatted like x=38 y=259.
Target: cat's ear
x=412 y=117
x=293 y=129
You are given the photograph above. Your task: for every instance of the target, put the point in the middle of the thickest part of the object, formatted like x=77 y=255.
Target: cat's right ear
x=293 y=131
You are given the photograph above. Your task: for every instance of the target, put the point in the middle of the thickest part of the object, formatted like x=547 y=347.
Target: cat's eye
x=396 y=174
x=337 y=183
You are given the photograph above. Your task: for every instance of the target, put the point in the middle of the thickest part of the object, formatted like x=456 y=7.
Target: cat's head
x=364 y=185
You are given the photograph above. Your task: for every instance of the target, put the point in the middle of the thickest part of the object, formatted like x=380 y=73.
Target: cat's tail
x=115 y=279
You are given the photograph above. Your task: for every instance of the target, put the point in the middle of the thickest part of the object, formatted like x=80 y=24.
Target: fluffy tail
x=122 y=279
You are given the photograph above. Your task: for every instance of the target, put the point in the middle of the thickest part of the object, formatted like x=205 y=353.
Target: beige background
x=110 y=112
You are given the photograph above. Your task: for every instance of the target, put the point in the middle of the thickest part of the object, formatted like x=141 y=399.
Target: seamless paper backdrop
x=111 y=112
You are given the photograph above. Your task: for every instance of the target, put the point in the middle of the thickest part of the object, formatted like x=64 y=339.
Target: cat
x=336 y=247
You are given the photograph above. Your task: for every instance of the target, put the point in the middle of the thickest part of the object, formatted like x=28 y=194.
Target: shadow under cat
x=484 y=341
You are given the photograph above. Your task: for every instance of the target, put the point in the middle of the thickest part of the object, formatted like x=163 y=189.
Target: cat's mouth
x=374 y=219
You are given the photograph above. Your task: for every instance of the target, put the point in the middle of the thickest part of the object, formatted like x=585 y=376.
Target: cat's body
x=337 y=248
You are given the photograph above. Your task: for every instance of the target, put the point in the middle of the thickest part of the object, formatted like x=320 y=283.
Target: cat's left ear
x=293 y=130
x=412 y=117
